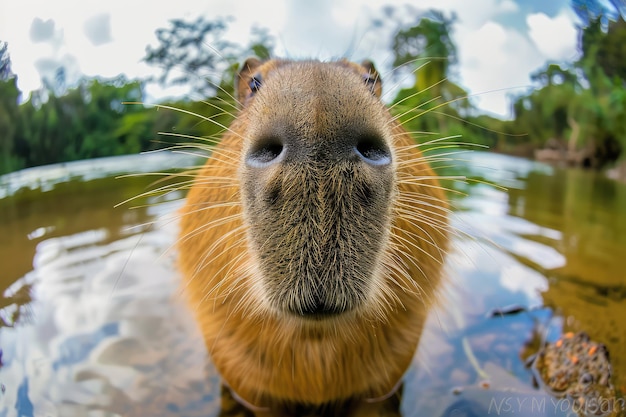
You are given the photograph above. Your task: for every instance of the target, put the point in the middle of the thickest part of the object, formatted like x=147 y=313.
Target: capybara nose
x=369 y=148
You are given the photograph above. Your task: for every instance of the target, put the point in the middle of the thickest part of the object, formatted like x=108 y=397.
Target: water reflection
x=108 y=334
x=590 y=288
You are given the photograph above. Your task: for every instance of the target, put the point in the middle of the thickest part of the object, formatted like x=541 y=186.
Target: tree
x=9 y=112
x=557 y=99
x=428 y=48
x=81 y=123
x=610 y=51
x=584 y=104
x=589 y=10
x=192 y=53
x=602 y=61
x=429 y=41
x=5 y=62
x=261 y=43
x=602 y=40
x=59 y=124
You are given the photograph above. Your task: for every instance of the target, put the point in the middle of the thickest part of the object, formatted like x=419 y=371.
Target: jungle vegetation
x=577 y=106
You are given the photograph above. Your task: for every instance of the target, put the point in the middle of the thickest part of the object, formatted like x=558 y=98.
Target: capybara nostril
x=265 y=152
x=373 y=150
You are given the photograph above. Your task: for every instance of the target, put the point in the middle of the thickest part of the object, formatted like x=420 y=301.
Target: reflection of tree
x=587 y=209
x=590 y=288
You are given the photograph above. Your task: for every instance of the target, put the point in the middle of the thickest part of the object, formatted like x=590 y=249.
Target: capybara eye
x=373 y=150
x=370 y=82
x=266 y=152
x=255 y=83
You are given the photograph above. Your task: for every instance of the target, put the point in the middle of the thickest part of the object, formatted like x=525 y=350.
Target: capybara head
x=317 y=187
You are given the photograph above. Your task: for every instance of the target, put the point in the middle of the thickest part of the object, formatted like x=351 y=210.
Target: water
x=92 y=322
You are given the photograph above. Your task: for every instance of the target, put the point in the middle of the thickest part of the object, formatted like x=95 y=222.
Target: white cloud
x=508 y=6
x=555 y=38
x=495 y=58
x=131 y=28
x=98 y=29
x=41 y=31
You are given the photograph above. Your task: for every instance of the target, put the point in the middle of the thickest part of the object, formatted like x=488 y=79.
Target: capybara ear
x=372 y=77
x=244 y=78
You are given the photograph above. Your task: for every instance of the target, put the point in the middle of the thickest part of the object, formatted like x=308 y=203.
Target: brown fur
x=262 y=245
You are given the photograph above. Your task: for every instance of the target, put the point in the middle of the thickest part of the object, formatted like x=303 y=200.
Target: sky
x=499 y=42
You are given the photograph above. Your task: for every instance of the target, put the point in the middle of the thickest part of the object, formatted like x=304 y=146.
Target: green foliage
x=80 y=124
x=5 y=62
x=262 y=43
x=193 y=53
x=92 y=120
x=611 y=50
x=185 y=57
x=543 y=114
x=428 y=39
x=9 y=111
x=580 y=106
x=434 y=106
x=429 y=42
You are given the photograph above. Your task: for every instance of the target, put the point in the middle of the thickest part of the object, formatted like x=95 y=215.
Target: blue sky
x=499 y=42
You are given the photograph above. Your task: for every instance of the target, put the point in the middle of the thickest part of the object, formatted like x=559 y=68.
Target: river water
x=92 y=322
